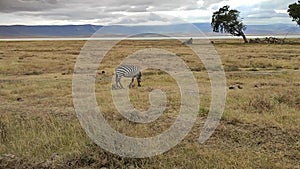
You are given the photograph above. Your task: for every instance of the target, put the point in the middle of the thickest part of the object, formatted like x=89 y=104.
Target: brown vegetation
x=259 y=128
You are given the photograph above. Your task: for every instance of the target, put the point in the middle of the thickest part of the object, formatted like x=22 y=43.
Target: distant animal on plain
x=188 y=42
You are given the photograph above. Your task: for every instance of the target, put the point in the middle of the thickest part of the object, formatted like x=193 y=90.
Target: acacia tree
x=225 y=20
x=294 y=12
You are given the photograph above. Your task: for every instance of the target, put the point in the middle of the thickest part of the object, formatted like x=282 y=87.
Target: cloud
x=96 y=12
x=116 y=5
x=8 y=6
x=146 y=19
x=130 y=11
x=266 y=11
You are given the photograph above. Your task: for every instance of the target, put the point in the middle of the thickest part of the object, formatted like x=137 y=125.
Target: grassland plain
x=259 y=128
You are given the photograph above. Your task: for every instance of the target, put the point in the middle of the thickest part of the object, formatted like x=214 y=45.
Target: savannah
x=259 y=128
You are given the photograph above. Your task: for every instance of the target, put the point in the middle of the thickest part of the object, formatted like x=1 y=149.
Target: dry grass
x=259 y=128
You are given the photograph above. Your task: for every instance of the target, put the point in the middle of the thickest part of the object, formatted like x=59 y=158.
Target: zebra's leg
x=131 y=83
x=121 y=85
x=118 y=83
x=139 y=82
x=139 y=79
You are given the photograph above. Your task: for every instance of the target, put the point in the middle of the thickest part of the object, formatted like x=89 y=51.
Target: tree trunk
x=244 y=37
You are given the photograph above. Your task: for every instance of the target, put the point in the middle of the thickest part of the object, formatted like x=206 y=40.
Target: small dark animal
x=188 y=42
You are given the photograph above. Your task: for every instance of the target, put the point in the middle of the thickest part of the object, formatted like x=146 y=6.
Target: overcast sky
x=106 y=12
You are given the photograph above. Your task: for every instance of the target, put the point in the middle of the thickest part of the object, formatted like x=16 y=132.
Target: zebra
x=128 y=71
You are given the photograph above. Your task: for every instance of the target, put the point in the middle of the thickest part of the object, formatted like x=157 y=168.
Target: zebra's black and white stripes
x=129 y=71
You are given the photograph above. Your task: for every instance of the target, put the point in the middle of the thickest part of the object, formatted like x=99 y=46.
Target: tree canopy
x=294 y=12
x=225 y=20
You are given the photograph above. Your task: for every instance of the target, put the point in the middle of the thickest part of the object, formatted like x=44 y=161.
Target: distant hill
x=273 y=29
x=88 y=30
x=46 y=31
